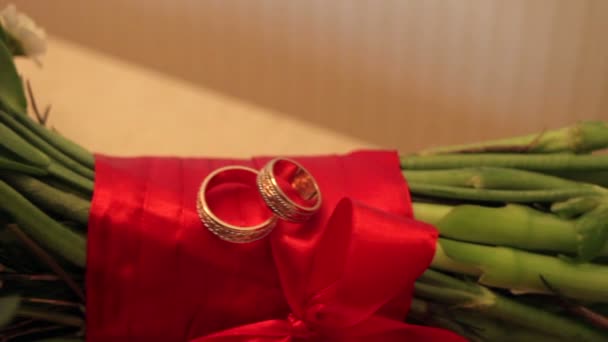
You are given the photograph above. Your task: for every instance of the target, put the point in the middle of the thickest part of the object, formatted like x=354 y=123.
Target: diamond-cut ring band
x=305 y=199
x=221 y=228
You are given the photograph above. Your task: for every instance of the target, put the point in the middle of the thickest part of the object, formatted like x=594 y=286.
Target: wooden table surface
x=113 y=107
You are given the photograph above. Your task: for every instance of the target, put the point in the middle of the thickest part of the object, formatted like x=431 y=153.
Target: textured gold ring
x=305 y=199
x=224 y=230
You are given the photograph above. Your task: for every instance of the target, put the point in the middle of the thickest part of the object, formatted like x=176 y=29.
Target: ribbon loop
x=364 y=259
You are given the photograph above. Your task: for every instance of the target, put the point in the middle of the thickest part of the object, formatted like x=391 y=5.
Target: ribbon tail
x=265 y=331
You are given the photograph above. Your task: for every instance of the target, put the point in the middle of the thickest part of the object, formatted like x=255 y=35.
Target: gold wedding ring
x=226 y=231
x=306 y=197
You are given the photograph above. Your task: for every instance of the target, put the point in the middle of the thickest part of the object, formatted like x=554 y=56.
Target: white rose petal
x=23 y=29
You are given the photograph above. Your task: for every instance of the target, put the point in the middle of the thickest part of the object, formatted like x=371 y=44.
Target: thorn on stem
x=45 y=116
x=40 y=117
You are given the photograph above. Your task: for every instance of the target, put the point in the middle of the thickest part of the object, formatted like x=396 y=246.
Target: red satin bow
x=364 y=259
x=156 y=274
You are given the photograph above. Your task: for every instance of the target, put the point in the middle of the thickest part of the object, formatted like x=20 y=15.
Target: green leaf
x=8 y=309
x=14 y=47
x=576 y=206
x=12 y=95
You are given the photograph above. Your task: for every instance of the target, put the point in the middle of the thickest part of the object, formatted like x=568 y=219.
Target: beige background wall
x=402 y=74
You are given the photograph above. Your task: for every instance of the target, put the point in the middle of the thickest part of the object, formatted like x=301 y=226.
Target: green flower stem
x=22 y=148
x=45 y=147
x=431 y=213
x=517 y=196
x=42 y=228
x=419 y=308
x=473 y=325
x=52 y=317
x=442 y=261
x=429 y=313
x=594 y=177
x=495 y=178
x=71 y=178
x=68 y=147
x=64 y=204
x=522 y=271
x=433 y=277
x=553 y=162
x=11 y=165
x=512 y=225
x=582 y=137
x=435 y=287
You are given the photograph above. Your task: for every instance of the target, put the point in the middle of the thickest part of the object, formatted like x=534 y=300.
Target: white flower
x=30 y=37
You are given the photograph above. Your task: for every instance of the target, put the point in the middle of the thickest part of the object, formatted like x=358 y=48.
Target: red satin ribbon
x=154 y=272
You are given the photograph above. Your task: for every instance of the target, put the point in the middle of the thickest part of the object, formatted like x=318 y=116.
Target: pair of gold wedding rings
x=286 y=188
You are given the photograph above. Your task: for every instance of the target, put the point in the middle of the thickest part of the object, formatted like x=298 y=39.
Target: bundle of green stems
x=522 y=252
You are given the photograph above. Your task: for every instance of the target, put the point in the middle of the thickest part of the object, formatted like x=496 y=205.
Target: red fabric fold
x=155 y=273
x=358 y=266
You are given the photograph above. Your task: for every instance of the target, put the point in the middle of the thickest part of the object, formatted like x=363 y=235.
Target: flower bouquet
x=492 y=241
